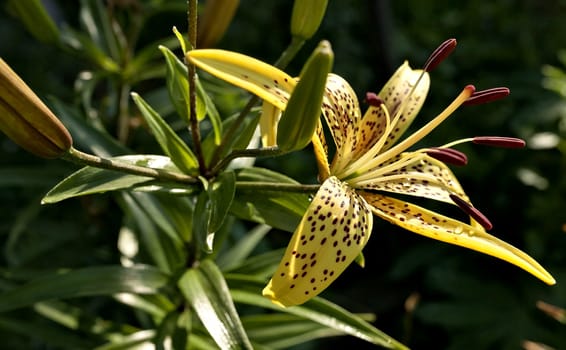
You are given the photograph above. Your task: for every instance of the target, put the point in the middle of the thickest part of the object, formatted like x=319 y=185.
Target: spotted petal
x=414 y=174
x=401 y=91
x=332 y=233
x=341 y=110
x=262 y=79
x=442 y=228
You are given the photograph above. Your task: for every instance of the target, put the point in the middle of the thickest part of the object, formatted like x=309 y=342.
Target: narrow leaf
x=35 y=18
x=104 y=280
x=318 y=310
x=282 y=210
x=171 y=144
x=242 y=249
x=205 y=289
x=89 y=180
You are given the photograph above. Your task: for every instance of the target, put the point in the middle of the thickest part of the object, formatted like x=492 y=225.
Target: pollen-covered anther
x=471 y=211
x=373 y=100
x=499 y=141
x=448 y=156
x=438 y=55
x=486 y=96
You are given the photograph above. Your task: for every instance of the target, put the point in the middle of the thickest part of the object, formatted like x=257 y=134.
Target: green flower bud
x=306 y=18
x=302 y=113
x=27 y=121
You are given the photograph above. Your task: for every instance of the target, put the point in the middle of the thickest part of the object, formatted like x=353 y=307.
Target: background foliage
x=424 y=293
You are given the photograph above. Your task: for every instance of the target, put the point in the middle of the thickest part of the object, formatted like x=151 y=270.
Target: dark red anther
x=486 y=96
x=499 y=141
x=471 y=211
x=448 y=156
x=373 y=100
x=438 y=55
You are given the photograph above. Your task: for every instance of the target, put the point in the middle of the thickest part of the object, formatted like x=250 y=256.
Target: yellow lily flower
x=368 y=163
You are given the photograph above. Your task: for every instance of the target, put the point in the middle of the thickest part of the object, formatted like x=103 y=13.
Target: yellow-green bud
x=214 y=21
x=302 y=113
x=306 y=18
x=27 y=121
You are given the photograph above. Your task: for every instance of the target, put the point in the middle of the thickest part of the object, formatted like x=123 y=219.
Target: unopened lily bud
x=26 y=120
x=214 y=21
x=306 y=18
x=302 y=113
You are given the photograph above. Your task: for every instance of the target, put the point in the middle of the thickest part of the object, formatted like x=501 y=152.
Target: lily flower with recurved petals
x=369 y=162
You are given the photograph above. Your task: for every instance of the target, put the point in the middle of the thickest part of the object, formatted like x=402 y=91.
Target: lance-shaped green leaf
x=206 y=290
x=279 y=209
x=211 y=208
x=89 y=180
x=244 y=290
x=302 y=114
x=171 y=144
x=178 y=88
x=35 y=18
x=306 y=17
x=106 y=280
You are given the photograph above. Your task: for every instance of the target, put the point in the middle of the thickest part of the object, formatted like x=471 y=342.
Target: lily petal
x=268 y=124
x=407 y=89
x=341 y=110
x=442 y=228
x=332 y=233
x=419 y=175
x=262 y=79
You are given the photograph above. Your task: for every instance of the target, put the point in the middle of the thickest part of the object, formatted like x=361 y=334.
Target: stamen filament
x=374 y=174
x=364 y=164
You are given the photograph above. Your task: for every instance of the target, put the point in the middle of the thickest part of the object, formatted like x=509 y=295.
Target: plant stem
x=289 y=53
x=195 y=130
x=282 y=62
x=276 y=187
x=242 y=153
x=78 y=157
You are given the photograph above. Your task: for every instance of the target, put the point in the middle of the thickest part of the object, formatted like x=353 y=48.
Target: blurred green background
x=425 y=293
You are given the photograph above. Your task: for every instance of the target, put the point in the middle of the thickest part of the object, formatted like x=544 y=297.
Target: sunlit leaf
x=106 y=280
x=171 y=144
x=89 y=180
x=317 y=310
x=205 y=289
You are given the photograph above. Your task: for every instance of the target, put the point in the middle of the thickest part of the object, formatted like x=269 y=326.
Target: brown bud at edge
x=27 y=121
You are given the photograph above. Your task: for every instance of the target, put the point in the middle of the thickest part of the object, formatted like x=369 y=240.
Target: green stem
x=282 y=62
x=249 y=153
x=276 y=187
x=289 y=53
x=195 y=130
x=78 y=157
x=123 y=114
